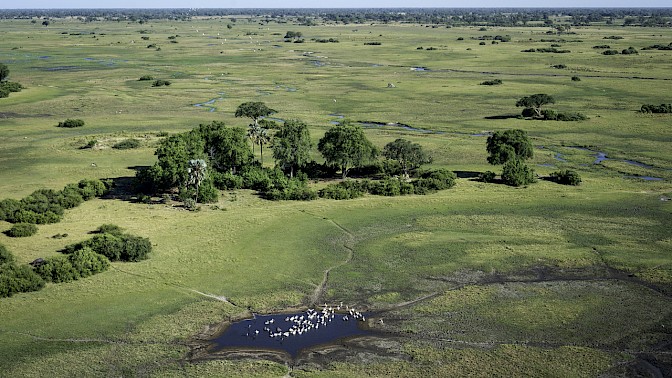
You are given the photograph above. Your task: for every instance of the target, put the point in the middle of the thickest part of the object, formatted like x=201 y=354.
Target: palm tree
x=258 y=135
x=197 y=171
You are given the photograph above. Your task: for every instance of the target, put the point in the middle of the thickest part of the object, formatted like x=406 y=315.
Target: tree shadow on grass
x=503 y=116
x=127 y=188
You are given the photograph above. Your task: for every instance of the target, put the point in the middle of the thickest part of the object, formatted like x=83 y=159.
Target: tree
x=409 y=155
x=291 y=145
x=254 y=110
x=197 y=172
x=346 y=146
x=4 y=71
x=226 y=147
x=535 y=102
x=258 y=135
x=507 y=145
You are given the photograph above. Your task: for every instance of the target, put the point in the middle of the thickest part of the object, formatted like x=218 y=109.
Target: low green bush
x=116 y=247
x=566 y=177
x=21 y=230
x=71 y=123
x=517 y=173
x=492 y=82
x=487 y=176
x=146 y=78
x=17 y=278
x=662 y=108
x=127 y=144
x=160 y=83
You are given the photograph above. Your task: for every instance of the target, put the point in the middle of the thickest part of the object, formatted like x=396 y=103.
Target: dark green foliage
x=161 y=83
x=116 y=247
x=434 y=180
x=409 y=155
x=8 y=207
x=610 y=52
x=57 y=269
x=6 y=257
x=507 y=145
x=372 y=43
x=658 y=47
x=227 y=181
x=516 y=173
x=86 y=262
x=346 y=146
x=492 y=82
x=602 y=47
x=629 y=51
x=662 y=108
x=207 y=192
x=146 y=78
x=576 y=78
x=127 y=144
x=11 y=86
x=108 y=228
x=613 y=37
x=254 y=110
x=292 y=145
x=389 y=187
x=325 y=40
x=4 y=71
x=559 y=66
x=566 y=177
x=487 y=176
x=569 y=117
x=17 y=278
x=343 y=190
x=21 y=230
x=548 y=50
x=535 y=102
x=293 y=35
x=92 y=188
x=481 y=43
x=70 y=123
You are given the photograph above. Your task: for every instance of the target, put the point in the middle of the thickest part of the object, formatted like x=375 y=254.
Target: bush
x=610 y=52
x=108 y=228
x=70 y=123
x=57 y=269
x=559 y=66
x=6 y=257
x=146 y=78
x=630 y=50
x=86 y=262
x=10 y=86
x=569 y=117
x=566 y=177
x=602 y=47
x=649 y=108
x=127 y=144
x=207 y=192
x=90 y=144
x=388 y=187
x=372 y=43
x=492 y=82
x=517 y=173
x=160 y=83
x=487 y=176
x=8 y=207
x=576 y=78
x=18 y=279
x=116 y=247
x=226 y=181
x=21 y=230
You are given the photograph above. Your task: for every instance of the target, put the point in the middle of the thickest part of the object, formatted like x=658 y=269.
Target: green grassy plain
x=545 y=280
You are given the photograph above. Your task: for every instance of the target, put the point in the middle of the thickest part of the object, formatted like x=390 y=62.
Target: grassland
x=543 y=280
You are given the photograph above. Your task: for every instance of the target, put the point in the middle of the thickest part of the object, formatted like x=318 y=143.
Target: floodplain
x=481 y=279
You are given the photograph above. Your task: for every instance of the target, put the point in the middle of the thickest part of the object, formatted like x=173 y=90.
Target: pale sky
x=47 y=4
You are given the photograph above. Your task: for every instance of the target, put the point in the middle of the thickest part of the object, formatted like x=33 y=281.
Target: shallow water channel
x=290 y=333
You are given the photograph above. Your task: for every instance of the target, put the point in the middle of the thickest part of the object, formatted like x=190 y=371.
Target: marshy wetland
x=480 y=279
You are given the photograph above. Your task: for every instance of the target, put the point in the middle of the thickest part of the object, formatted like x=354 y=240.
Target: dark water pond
x=291 y=333
x=645 y=178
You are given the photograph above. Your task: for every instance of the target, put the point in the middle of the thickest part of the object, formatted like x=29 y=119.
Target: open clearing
x=544 y=280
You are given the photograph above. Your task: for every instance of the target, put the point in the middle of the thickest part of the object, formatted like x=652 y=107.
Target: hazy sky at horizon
x=65 y=4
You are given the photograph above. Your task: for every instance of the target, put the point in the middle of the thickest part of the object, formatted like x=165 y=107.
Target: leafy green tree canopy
x=291 y=145
x=254 y=110
x=409 y=155
x=535 y=102
x=346 y=146
x=507 y=145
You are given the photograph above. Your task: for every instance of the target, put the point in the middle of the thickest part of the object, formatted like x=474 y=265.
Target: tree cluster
x=650 y=108
x=47 y=206
x=114 y=245
x=511 y=148
x=427 y=182
x=7 y=87
x=82 y=263
x=71 y=123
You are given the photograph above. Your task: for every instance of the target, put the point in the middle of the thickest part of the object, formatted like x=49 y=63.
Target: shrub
x=8 y=207
x=576 y=78
x=566 y=177
x=487 y=176
x=11 y=86
x=86 y=262
x=348 y=189
x=226 y=181
x=146 y=78
x=559 y=66
x=630 y=50
x=492 y=82
x=6 y=257
x=127 y=144
x=649 y=108
x=116 y=247
x=21 y=230
x=602 y=47
x=108 y=228
x=372 y=43
x=92 y=188
x=387 y=187
x=207 y=192
x=160 y=83
x=18 y=279
x=57 y=269
x=517 y=173
x=70 y=123
x=610 y=52
x=571 y=117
